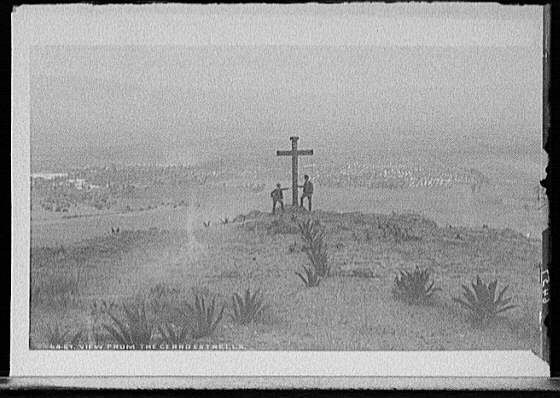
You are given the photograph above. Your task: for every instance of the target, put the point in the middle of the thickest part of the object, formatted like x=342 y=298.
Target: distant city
x=101 y=187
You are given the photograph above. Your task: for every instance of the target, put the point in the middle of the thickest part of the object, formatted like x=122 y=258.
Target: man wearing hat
x=307 y=191
x=277 y=197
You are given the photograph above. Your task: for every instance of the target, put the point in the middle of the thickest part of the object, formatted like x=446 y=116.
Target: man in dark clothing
x=277 y=197
x=307 y=191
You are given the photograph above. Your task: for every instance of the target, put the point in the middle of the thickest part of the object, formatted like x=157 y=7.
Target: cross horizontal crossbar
x=299 y=153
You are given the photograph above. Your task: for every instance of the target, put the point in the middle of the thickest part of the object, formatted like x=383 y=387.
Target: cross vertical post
x=294 y=153
x=294 y=171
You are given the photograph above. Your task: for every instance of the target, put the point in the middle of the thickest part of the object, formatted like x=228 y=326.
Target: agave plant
x=315 y=247
x=482 y=302
x=414 y=287
x=98 y=310
x=395 y=231
x=173 y=334
x=311 y=278
x=57 y=336
x=309 y=229
x=203 y=318
x=134 y=327
x=247 y=308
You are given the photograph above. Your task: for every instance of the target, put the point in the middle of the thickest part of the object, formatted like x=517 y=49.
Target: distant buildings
x=48 y=176
x=79 y=183
x=61 y=179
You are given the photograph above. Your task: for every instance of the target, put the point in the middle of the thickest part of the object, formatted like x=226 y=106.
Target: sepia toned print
x=287 y=197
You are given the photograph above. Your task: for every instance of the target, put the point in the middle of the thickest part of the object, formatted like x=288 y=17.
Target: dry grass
x=354 y=313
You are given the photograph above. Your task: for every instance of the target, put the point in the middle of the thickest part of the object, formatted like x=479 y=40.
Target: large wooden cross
x=294 y=153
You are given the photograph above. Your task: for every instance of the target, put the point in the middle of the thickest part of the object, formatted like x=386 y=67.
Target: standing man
x=277 y=197
x=307 y=191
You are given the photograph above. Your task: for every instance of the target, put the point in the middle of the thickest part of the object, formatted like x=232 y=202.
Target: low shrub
x=414 y=287
x=281 y=226
x=392 y=230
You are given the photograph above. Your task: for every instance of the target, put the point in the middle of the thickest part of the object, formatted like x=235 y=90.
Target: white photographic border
x=208 y=25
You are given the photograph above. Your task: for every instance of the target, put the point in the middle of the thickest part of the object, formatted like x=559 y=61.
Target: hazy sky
x=360 y=76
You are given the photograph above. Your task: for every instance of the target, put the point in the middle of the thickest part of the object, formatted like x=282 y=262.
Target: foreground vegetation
x=380 y=282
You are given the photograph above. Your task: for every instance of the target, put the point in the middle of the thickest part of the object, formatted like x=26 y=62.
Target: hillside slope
x=353 y=309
